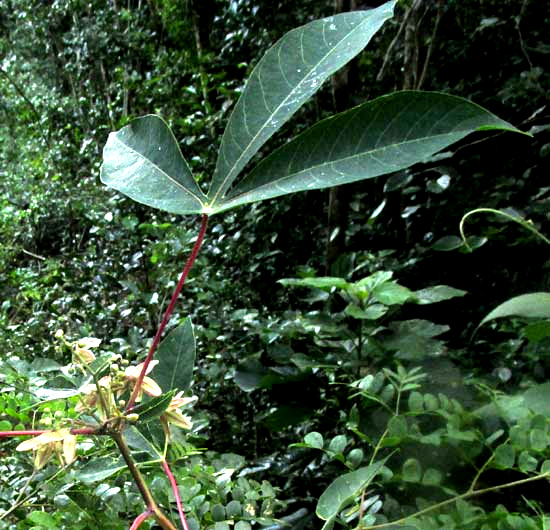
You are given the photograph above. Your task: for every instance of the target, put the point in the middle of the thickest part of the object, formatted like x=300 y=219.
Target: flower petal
x=69 y=448
x=89 y=342
x=178 y=401
x=178 y=419
x=84 y=355
x=42 y=439
x=150 y=387
x=43 y=455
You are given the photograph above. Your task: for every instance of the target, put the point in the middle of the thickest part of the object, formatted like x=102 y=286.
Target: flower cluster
x=114 y=386
x=103 y=397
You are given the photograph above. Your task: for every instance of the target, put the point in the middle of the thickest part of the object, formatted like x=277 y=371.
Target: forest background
x=276 y=363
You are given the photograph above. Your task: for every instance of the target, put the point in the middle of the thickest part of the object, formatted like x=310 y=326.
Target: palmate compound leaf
x=379 y=137
x=284 y=79
x=143 y=160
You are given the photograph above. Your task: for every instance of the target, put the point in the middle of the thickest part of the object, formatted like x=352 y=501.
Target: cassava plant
x=143 y=161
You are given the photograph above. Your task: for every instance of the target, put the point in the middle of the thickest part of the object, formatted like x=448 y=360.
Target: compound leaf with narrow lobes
x=284 y=79
x=381 y=136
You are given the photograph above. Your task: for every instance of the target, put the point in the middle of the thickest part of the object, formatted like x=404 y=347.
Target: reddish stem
x=140 y=518
x=7 y=434
x=168 y=313
x=174 y=485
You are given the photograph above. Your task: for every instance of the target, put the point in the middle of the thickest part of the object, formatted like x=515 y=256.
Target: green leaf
x=526 y=462
x=538 y=439
x=314 y=439
x=177 y=358
x=153 y=407
x=138 y=441
x=326 y=283
x=355 y=457
x=372 y=312
x=411 y=472
x=379 y=137
x=284 y=79
x=344 y=489
x=432 y=477
x=537 y=398
x=447 y=243
x=545 y=468
x=338 y=444
x=437 y=293
x=533 y=305
x=416 y=402
x=99 y=469
x=391 y=293
x=414 y=339
x=143 y=160
x=505 y=456
x=537 y=331
x=44 y=519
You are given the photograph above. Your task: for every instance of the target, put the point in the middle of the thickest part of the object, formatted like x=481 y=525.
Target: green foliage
x=357 y=371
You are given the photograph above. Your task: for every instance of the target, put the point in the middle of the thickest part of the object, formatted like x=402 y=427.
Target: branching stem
x=139 y=481
x=466 y=495
x=140 y=518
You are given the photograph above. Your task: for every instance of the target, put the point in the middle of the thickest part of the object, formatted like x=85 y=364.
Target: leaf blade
x=379 y=137
x=285 y=78
x=531 y=305
x=143 y=161
x=177 y=354
x=345 y=488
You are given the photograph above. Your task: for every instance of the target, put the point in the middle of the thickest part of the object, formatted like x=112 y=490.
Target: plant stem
x=174 y=485
x=11 y=434
x=7 y=434
x=466 y=495
x=140 y=518
x=169 y=310
x=520 y=220
x=146 y=494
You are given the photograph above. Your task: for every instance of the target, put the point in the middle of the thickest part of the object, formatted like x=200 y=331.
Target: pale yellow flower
x=60 y=442
x=81 y=349
x=149 y=386
x=89 y=398
x=174 y=415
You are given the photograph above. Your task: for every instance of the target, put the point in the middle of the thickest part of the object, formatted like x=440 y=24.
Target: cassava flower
x=115 y=385
x=45 y=445
x=174 y=415
x=89 y=398
x=148 y=385
x=81 y=349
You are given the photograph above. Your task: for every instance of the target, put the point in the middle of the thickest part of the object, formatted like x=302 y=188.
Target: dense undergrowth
x=298 y=382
